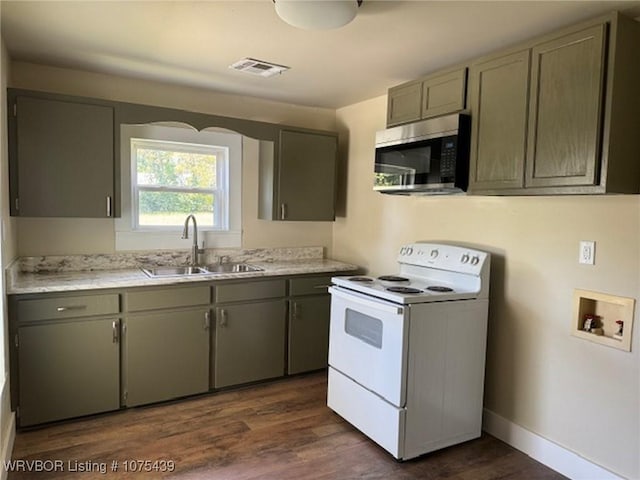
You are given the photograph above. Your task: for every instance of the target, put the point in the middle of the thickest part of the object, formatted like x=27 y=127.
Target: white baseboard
x=8 y=437
x=544 y=451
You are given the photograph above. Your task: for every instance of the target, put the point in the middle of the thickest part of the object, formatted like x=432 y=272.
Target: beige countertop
x=64 y=281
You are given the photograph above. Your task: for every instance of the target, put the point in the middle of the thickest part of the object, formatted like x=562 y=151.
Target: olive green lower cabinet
x=85 y=353
x=309 y=311
x=166 y=350
x=68 y=362
x=68 y=369
x=249 y=337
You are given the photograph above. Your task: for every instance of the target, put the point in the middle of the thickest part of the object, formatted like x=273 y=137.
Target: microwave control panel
x=448 y=156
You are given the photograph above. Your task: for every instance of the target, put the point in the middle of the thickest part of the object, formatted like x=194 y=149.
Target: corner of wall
x=8 y=426
x=7 y=254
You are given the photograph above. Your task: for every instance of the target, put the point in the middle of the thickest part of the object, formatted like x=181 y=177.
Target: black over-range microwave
x=426 y=157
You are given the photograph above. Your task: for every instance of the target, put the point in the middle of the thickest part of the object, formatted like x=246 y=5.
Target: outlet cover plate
x=587 y=254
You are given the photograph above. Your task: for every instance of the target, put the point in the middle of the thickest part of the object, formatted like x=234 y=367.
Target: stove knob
x=434 y=253
x=465 y=258
x=403 y=250
x=475 y=260
x=409 y=250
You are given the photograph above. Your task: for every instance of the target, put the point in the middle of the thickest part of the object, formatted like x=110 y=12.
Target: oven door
x=368 y=343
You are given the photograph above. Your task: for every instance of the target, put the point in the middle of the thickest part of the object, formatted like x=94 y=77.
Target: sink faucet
x=195 y=251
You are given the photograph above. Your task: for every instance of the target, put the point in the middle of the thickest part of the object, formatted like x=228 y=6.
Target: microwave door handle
x=355 y=298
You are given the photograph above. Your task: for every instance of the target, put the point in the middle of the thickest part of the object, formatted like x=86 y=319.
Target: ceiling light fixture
x=317 y=14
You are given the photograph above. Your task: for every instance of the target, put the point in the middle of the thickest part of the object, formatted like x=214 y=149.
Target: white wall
x=57 y=236
x=580 y=395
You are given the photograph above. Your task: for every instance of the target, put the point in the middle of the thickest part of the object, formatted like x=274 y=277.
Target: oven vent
x=258 y=67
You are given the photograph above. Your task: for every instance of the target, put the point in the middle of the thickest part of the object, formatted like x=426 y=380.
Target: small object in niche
x=597 y=331
x=620 y=324
x=590 y=321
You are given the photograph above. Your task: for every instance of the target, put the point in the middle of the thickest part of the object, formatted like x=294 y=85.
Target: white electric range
x=407 y=351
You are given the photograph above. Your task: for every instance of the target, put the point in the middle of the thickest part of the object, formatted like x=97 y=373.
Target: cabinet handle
x=223 y=317
x=108 y=205
x=296 y=309
x=71 y=307
x=283 y=211
x=322 y=286
x=116 y=330
x=207 y=320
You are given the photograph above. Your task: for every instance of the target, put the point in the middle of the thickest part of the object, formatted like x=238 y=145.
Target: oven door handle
x=359 y=299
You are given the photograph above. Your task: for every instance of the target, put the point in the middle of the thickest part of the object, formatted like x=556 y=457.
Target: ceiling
x=193 y=43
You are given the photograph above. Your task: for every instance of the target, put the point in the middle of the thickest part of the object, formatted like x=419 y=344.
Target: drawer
x=168 y=298
x=67 y=307
x=309 y=285
x=239 y=292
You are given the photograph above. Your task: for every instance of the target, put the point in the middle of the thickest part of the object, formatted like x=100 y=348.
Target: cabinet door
x=249 y=342
x=404 y=104
x=167 y=355
x=566 y=102
x=68 y=369
x=499 y=96
x=308 y=333
x=307 y=176
x=65 y=162
x=444 y=93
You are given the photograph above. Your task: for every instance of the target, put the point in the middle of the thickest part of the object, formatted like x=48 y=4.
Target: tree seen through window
x=174 y=181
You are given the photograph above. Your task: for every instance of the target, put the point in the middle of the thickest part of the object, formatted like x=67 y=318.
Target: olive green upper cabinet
x=564 y=123
x=499 y=89
x=437 y=94
x=560 y=114
x=61 y=157
x=300 y=184
x=404 y=104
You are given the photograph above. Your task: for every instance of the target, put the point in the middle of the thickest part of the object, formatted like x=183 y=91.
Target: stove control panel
x=444 y=257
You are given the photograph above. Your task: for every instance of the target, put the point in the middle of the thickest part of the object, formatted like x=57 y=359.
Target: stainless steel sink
x=232 y=268
x=209 y=269
x=173 y=271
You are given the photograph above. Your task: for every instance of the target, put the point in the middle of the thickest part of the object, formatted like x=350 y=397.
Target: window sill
x=140 y=240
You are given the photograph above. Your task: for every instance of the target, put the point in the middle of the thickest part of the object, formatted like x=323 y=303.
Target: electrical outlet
x=587 y=254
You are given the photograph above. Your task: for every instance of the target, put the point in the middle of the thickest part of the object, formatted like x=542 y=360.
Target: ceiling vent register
x=258 y=67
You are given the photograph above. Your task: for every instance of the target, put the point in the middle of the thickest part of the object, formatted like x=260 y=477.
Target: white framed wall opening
x=171 y=171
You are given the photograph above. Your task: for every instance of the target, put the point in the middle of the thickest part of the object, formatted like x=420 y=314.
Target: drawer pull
x=71 y=307
x=322 y=286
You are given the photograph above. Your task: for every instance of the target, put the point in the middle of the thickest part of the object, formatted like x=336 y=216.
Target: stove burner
x=403 y=290
x=438 y=288
x=361 y=279
x=392 y=278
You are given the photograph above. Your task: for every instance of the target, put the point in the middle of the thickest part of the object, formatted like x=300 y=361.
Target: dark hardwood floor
x=280 y=430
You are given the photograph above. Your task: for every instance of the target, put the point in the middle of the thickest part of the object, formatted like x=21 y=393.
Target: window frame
x=220 y=192
x=127 y=238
